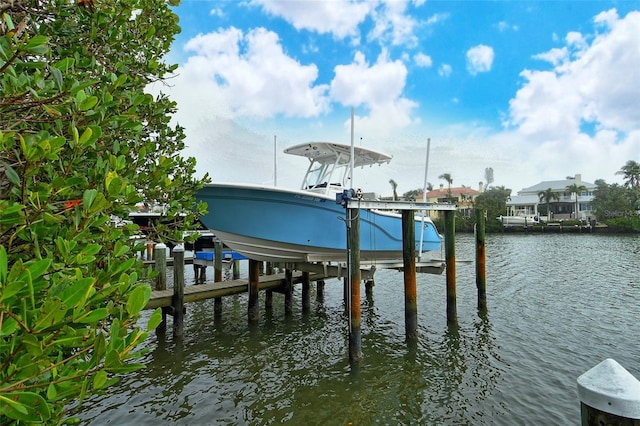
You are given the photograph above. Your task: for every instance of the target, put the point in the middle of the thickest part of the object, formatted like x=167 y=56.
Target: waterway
x=558 y=304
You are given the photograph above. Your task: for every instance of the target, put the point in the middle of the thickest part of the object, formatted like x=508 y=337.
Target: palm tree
x=394 y=185
x=449 y=179
x=546 y=197
x=631 y=172
x=574 y=188
x=488 y=175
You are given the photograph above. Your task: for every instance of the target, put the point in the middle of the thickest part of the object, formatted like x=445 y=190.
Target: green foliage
x=612 y=202
x=494 y=201
x=80 y=142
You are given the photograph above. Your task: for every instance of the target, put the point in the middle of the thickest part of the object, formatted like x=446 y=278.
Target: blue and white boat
x=308 y=225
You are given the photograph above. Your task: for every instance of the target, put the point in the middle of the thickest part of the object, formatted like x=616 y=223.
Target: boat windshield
x=325 y=177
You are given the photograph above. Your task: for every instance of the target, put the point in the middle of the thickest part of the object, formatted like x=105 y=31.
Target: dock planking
x=194 y=293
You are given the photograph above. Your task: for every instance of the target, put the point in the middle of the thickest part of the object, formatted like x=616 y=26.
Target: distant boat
x=520 y=220
x=308 y=225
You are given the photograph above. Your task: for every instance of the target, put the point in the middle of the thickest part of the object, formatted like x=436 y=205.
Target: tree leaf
x=25 y=406
x=11 y=174
x=138 y=299
x=93 y=316
x=154 y=320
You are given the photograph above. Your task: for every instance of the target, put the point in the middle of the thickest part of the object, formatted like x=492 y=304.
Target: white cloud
x=393 y=24
x=378 y=87
x=338 y=17
x=252 y=73
x=437 y=18
x=479 y=59
x=423 y=60
x=597 y=86
x=445 y=70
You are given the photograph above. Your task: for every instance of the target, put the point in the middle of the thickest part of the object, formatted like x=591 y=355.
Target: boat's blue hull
x=266 y=223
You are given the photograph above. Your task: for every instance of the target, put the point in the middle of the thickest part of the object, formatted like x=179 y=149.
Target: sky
x=535 y=90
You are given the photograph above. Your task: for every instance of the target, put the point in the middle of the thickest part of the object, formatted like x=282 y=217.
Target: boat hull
x=271 y=224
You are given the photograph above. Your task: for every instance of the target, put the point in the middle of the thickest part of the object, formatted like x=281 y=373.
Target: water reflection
x=555 y=310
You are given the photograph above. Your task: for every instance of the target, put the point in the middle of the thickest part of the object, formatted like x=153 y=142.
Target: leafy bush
x=80 y=143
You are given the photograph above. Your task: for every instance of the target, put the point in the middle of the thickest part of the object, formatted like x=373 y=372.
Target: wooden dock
x=194 y=293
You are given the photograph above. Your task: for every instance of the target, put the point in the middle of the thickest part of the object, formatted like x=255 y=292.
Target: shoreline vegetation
x=621 y=225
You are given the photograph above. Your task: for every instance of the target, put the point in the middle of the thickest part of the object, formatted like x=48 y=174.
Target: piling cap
x=178 y=247
x=610 y=388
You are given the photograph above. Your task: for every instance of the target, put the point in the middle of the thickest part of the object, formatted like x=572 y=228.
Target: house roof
x=455 y=192
x=555 y=185
x=520 y=200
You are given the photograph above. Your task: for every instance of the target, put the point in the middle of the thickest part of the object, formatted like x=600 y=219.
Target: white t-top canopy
x=328 y=171
x=335 y=153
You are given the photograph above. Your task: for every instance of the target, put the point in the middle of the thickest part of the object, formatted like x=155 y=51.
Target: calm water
x=558 y=305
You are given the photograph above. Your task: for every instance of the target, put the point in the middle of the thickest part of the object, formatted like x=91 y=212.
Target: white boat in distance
x=308 y=225
x=527 y=220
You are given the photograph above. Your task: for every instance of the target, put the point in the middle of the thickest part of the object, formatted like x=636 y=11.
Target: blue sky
x=536 y=90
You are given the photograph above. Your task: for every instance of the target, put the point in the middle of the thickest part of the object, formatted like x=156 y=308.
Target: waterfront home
x=462 y=196
x=561 y=206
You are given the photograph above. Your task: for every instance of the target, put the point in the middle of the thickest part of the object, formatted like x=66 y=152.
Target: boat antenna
x=424 y=197
x=352 y=162
x=275 y=164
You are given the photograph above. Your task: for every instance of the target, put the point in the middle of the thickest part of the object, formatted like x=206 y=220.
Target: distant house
x=528 y=202
x=463 y=197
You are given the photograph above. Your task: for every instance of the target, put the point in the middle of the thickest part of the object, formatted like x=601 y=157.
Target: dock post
x=161 y=266
x=217 y=276
x=481 y=266
x=450 y=258
x=306 y=300
x=288 y=292
x=409 y=267
x=178 y=290
x=217 y=261
x=320 y=290
x=161 y=280
x=254 y=285
x=236 y=269
x=353 y=246
x=609 y=395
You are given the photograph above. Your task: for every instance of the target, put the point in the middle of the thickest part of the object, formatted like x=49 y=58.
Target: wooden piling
x=160 y=266
x=353 y=246
x=409 y=268
x=236 y=269
x=217 y=261
x=481 y=268
x=178 y=290
x=254 y=282
x=288 y=292
x=306 y=290
x=450 y=259
x=217 y=276
x=320 y=290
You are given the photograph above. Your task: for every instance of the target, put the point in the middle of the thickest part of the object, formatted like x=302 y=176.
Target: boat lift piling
x=410 y=279
x=353 y=204
x=353 y=267
x=481 y=268
x=450 y=258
